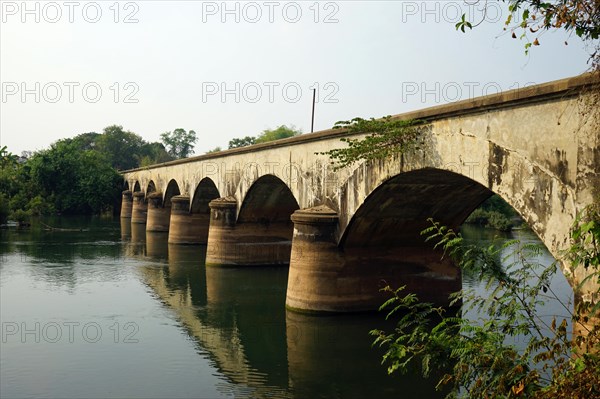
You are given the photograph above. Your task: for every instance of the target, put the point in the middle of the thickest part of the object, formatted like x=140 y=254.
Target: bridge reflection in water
x=237 y=318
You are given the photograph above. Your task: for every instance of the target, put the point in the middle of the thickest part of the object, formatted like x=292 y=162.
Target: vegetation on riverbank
x=494 y=213
x=477 y=357
x=76 y=175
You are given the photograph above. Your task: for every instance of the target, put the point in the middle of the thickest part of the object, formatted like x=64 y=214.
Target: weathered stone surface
x=186 y=227
x=244 y=244
x=158 y=215
x=139 y=209
x=126 y=204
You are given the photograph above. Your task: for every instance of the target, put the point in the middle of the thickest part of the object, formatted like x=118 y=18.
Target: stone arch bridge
x=345 y=233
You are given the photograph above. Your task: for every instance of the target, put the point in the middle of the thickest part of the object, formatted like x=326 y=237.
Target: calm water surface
x=113 y=312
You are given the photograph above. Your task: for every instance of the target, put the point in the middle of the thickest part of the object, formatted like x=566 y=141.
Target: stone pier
x=186 y=227
x=139 y=209
x=158 y=216
x=243 y=244
x=324 y=278
x=127 y=204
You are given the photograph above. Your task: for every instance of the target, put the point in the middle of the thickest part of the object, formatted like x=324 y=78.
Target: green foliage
x=492 y=219
x=7 y=159
x=494 y=213
x=179 y=142
x=121 y=148
x=88 y=141
x=386 y=137
x=498 y=221
x=267 y=135
x=63 y=178
x=478 y=353
x=75 y=175
x=4 y=210
x=496 y=203
x=243 y=142
x=281 y=132
x=586 y=240
x=216 y=149
x=581 y=17
x=153 y=153
x=76 y=182
x=20 y=216
x=38 y=206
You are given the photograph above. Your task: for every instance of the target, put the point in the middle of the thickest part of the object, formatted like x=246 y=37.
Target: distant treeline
x=74 y=176
x=494 y=213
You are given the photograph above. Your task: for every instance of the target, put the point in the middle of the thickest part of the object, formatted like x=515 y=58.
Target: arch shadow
x=205 y=192
x=269 y=201
x=150 y=188
x=171 y=191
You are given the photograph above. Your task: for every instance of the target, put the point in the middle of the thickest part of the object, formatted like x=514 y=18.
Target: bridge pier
x=243 y=244
x=186 y=227
x=315 y=263
x=158 y=216
x=126 y=204
x=324 y=278
x=139 y=208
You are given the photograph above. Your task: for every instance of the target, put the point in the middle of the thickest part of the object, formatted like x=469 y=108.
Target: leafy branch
x=581 y=17
x=474 y=355
x=385 y=137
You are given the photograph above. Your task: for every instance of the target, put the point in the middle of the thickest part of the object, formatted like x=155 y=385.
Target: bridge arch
x=261 y=234
x=205 y=192
x=268 y=201
x=396 y=211
x=541 y=190
x=136 y=186
x=150 y=188
x=190 y=220
x=171 y=191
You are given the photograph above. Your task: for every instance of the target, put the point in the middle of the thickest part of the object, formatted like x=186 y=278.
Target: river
x=110 y=312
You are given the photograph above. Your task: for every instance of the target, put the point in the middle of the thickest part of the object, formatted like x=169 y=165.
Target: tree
x=121 y=148
x=153 y=153
x=216 y=149
x=267 y=135
x=243 y=142
x=537 y=16
x=281 y=132
x=8 y=162
x=7 y=159
x=87 y=141
x=179 y=143
x=71 y=180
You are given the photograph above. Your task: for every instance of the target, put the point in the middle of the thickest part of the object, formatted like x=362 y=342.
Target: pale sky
x=232 y=70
